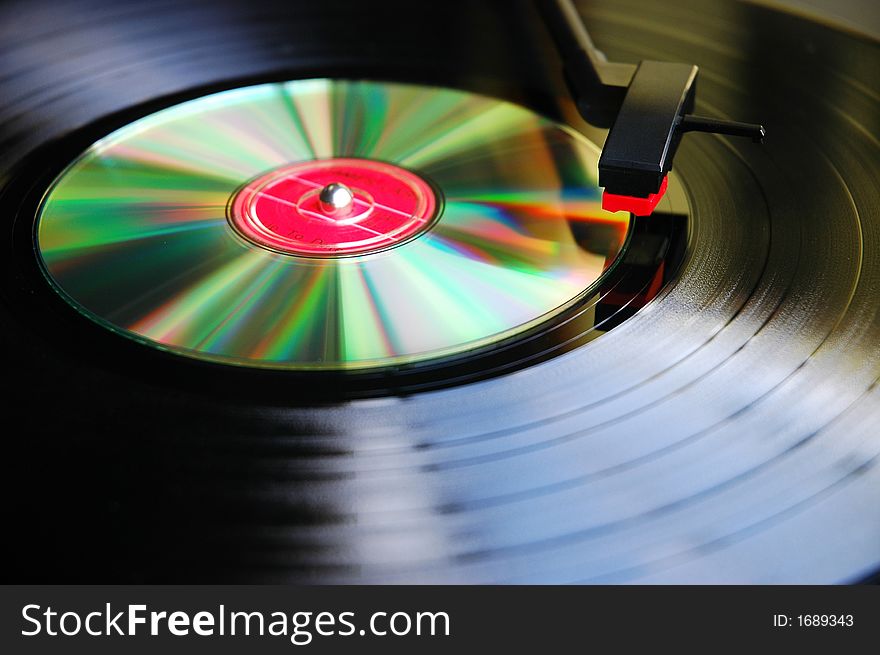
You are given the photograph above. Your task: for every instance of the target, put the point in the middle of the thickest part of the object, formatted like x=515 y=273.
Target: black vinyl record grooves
x=713 y=417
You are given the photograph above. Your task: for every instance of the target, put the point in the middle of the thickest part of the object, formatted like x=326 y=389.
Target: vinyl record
x=723 y=427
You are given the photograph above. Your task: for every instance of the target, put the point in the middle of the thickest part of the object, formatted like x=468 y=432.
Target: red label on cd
x=333 y=207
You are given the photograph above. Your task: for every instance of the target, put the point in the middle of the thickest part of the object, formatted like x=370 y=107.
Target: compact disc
x=329 y=224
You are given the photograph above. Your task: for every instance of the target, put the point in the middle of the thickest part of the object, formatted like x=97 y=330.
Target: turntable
x=362 y=292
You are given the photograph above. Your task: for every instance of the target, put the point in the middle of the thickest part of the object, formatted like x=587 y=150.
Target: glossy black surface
x=726 y=432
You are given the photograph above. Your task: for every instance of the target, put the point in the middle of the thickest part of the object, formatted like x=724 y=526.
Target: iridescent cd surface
x=202 y=230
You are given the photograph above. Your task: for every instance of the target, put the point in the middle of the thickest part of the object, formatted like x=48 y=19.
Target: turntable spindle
x=336 y=198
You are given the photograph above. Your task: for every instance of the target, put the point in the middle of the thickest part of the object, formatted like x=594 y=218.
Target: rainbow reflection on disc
x=329 y=224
